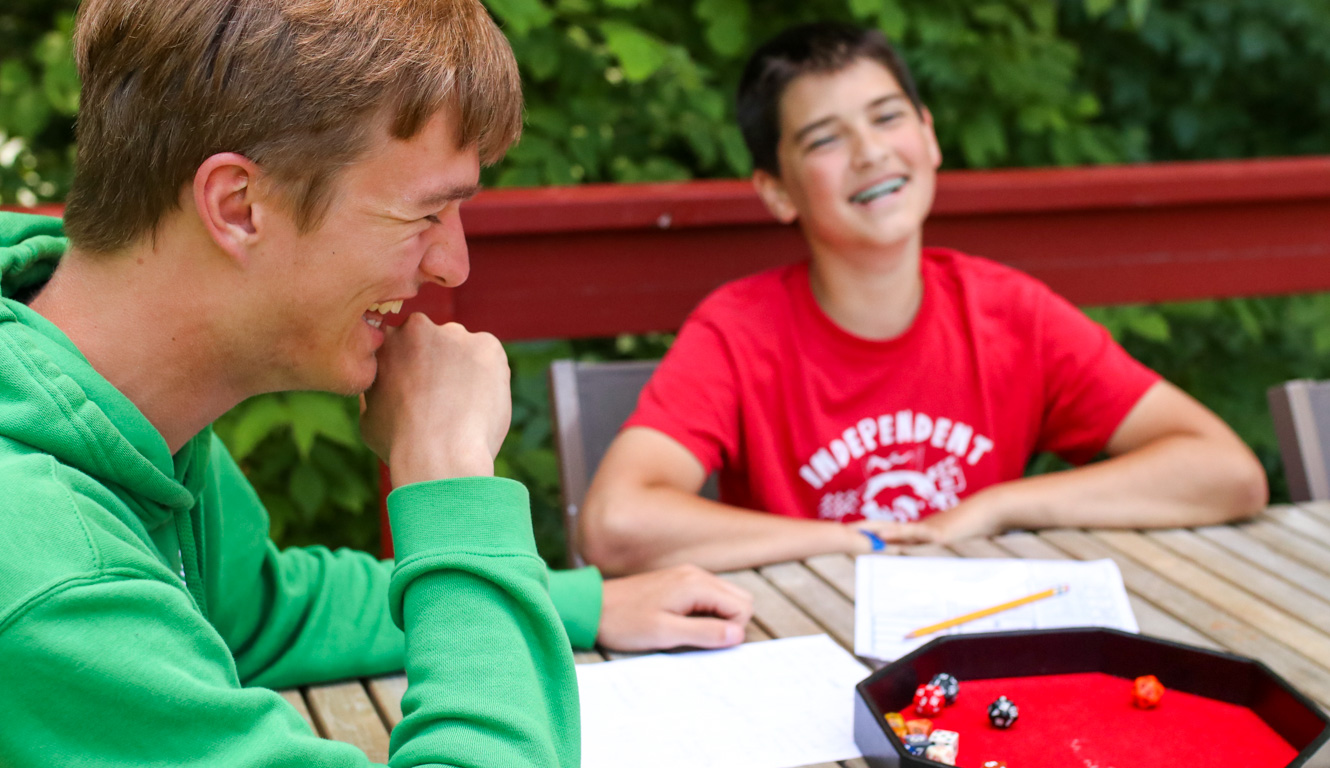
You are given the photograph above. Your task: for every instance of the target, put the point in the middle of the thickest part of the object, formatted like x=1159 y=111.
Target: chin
x=351 y=380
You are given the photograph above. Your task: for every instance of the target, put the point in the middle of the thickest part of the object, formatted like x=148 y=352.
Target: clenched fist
x=440 y=405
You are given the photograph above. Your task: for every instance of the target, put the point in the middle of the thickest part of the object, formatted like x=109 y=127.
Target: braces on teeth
x=878 y=190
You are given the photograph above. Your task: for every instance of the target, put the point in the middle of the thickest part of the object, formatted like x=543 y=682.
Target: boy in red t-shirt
x=898 y=389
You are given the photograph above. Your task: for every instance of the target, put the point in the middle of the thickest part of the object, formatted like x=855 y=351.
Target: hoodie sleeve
x=305 y=614
x=119 y=668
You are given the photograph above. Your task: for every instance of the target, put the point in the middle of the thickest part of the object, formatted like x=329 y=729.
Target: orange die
x=922 y=726
x=1147 y=692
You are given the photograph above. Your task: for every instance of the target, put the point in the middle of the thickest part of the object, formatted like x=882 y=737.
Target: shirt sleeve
x=1090 y=382
x=293 y=616
x=119 y=668
x=303 y=615
x=693 y=396
x=577 y=596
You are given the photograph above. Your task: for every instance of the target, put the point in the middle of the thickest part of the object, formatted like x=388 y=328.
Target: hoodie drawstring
x=189 y=559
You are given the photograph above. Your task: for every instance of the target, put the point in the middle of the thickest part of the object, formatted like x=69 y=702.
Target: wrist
x=853 y=540
x=417 y=465
x=994 y=507
x=875 y=543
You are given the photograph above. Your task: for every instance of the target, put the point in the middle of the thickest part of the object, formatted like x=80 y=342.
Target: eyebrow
x=444 y=196
x=816 y=124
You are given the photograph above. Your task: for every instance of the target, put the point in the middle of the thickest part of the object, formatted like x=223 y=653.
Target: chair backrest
x=1301 y=413
x=589 y=404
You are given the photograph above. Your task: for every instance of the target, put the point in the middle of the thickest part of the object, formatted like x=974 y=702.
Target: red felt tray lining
x=1088 y=721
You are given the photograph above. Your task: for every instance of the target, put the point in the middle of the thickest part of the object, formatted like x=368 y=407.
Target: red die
x=929 y=699
x=1147 y=692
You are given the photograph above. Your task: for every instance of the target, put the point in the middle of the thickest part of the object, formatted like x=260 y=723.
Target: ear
x=225 y=192
x=934 y=151
x=773 y=194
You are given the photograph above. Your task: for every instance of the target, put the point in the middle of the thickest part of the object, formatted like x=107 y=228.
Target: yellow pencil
x=941 y=625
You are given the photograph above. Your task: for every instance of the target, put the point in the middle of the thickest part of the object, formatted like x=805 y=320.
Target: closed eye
x=819 y=142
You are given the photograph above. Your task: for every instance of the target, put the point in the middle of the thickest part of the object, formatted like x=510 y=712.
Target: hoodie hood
x=52 y=400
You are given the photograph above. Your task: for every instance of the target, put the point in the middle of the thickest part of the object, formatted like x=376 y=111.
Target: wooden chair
x=589 y=403
x=1301 y=413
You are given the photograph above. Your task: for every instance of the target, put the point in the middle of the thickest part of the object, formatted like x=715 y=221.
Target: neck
x=136 y=318
x=873 y=295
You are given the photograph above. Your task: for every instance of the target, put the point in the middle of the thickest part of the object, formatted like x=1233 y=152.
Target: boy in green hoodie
x=258 y=184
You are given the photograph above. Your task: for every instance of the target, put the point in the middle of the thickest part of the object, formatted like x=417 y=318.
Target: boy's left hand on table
x=966 y=520
x=672 y=607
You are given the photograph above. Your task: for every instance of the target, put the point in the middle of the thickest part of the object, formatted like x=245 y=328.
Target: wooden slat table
x=1259 y=588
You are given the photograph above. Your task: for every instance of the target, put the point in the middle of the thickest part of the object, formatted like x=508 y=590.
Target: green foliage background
x=641 y=90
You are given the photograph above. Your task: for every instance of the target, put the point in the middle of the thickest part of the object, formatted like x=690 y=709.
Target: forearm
x=489 y=669
x=1179 y=480
x=628 y=530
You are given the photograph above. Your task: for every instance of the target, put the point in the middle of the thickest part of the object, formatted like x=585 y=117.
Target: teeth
x=374 y=322
x=878 y=190
x=387 y=307
x=373 y=308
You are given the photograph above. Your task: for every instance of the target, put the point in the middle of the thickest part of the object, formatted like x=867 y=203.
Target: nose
x=870 y=147
x=446 y=260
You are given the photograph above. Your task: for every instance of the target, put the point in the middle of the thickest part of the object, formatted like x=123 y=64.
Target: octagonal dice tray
x=1216 y=675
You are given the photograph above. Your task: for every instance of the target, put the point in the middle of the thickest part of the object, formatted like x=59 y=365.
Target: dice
x=949 y=738
x=1147 y=691
x=1003 y=713
x=950 y=686
x=941 y=753
x=896 y=723
x=993 y=764
x=916 y=743
x=929 y=699
x=919 y=725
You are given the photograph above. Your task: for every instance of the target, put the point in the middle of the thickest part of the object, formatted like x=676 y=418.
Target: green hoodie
x=144 y=612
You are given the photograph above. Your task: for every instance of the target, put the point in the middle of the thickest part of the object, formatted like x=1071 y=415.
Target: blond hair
x=297 y=86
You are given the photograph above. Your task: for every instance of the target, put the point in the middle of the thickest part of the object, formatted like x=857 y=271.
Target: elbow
x=1246 y=489
x=1253 y=491
x=609 y=536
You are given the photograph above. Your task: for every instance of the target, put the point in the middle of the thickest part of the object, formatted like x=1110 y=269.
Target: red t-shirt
x=804 y=419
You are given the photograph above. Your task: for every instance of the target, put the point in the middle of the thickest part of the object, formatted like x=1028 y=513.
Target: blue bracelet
x=878 y=544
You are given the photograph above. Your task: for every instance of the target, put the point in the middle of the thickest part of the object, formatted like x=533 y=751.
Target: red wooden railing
x=600 y=260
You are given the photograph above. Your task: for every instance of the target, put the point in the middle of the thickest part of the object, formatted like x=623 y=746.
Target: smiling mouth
x=374 y=315
x=878 y=190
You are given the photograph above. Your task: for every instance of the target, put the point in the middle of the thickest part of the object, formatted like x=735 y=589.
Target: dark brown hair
x=819 y=48
x=297 y=86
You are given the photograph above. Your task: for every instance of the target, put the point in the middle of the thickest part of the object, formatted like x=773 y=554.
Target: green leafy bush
x=641 y=90
x=302 y=451
x=39 y=91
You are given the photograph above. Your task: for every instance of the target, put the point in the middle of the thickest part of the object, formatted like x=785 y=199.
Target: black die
x=949 y=684
x=1003 y=713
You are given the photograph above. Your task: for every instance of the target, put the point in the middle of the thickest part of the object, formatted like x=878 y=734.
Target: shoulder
x=749 y=301
x=51 y=536
x=43 y=540
x=985 y=286
x=980 y=272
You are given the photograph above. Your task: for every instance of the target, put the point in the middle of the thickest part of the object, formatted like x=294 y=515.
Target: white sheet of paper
x=773 y=704
x=897 y=595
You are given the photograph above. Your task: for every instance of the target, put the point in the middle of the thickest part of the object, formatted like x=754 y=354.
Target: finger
x=734 y=589
x=363 y=404
x=903 y=533
x=720 y=602
x=700 y=632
